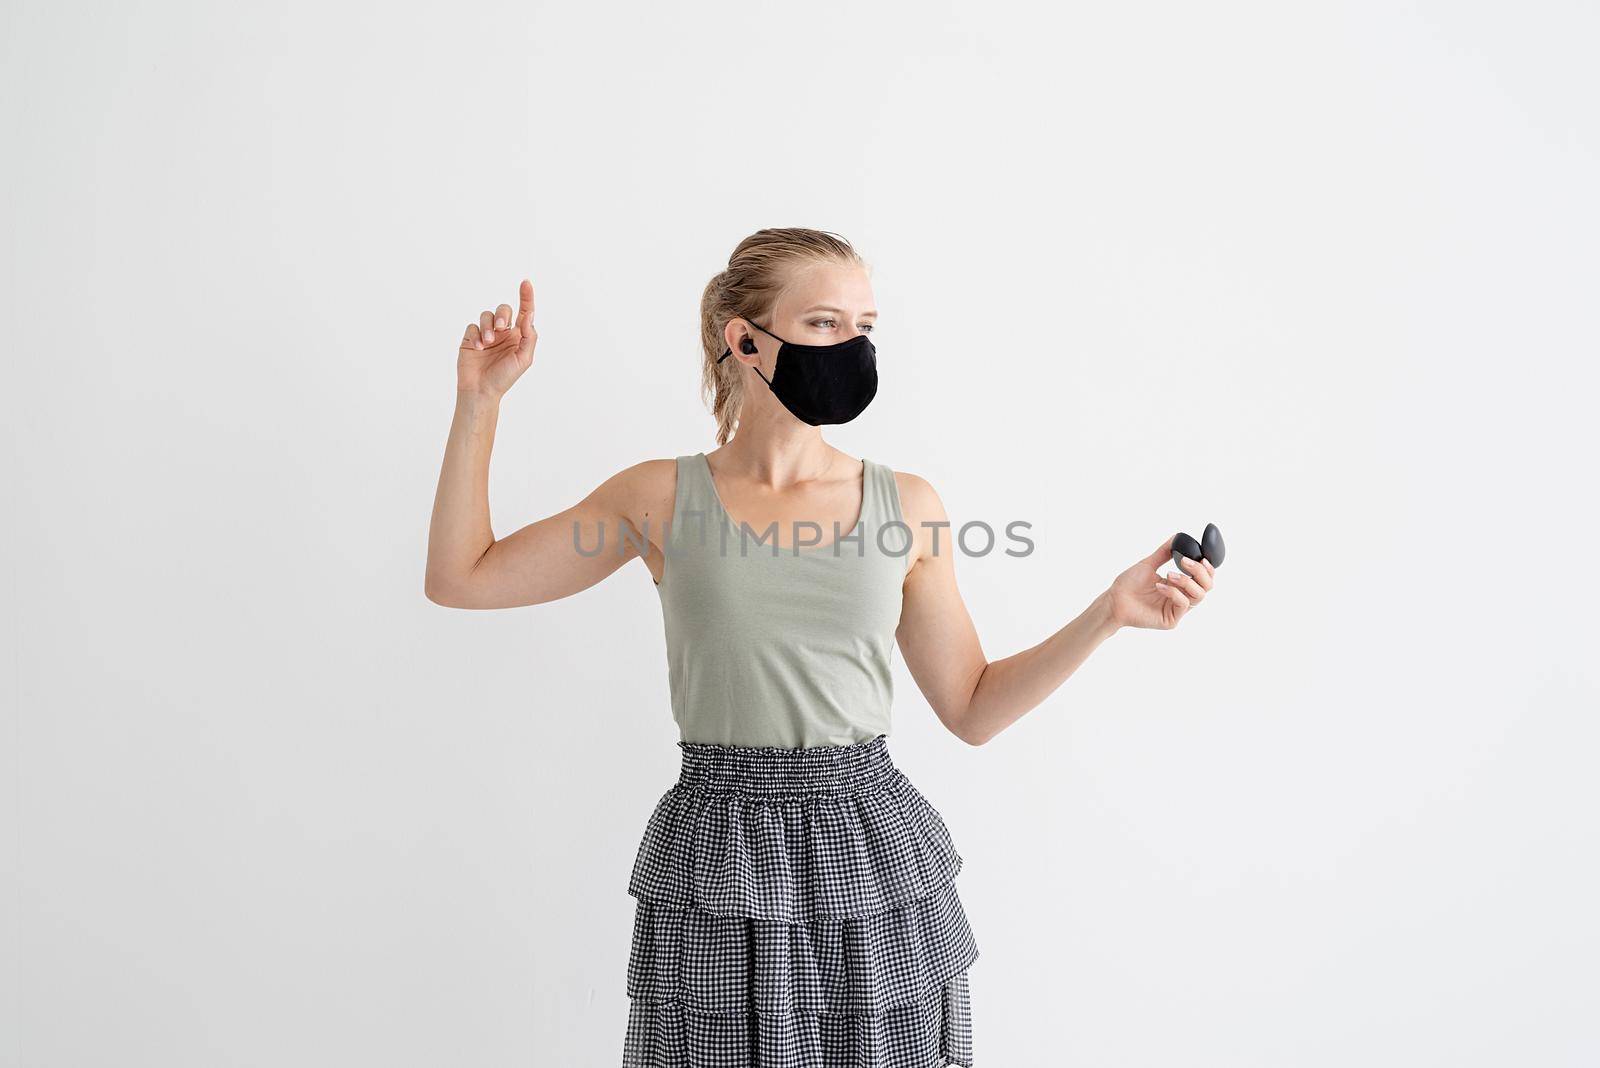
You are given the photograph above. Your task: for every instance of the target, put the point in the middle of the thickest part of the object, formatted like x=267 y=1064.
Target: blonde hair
x=760 y=269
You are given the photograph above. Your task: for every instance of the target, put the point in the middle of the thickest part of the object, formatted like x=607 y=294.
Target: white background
x=1324 y=274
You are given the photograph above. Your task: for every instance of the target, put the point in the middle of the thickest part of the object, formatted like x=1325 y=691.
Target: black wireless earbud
x=1209 y=546
x=747 y=347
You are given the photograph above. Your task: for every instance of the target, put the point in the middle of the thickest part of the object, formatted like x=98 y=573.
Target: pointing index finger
x=525 y=301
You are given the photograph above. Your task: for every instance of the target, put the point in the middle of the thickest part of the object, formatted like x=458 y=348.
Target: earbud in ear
x=747 y=347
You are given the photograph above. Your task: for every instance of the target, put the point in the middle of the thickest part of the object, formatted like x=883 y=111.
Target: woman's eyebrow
x=825 y=307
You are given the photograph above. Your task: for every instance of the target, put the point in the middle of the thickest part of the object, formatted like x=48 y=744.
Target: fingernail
x=500 y=321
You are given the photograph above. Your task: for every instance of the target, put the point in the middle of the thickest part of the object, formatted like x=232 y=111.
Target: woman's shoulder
x=919 y=501
x=643 y=489
x=913 y=487
x=647 y=476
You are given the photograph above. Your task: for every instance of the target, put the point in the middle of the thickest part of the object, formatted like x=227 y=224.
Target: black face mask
x=821 y=384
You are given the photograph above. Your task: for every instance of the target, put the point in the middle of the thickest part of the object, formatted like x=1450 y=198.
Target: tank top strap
x=880 y=505
x=694 y=502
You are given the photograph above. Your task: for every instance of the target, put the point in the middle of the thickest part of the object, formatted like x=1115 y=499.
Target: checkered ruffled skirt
x=797 y=909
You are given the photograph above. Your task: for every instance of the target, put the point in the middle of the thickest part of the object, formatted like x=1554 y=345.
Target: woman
x=796 y=897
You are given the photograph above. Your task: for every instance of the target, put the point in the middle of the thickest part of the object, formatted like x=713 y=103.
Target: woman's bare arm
x=467 y=567
x=976 y=698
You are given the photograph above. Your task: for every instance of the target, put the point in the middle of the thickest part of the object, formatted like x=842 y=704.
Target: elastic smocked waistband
x=762 y=770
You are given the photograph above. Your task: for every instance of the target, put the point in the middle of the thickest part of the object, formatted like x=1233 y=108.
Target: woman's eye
x=831 y=322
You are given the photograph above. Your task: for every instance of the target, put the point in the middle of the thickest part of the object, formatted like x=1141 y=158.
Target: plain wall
x=1322 y=274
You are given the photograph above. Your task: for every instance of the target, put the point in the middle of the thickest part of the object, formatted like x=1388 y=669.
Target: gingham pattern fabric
x=797 y=909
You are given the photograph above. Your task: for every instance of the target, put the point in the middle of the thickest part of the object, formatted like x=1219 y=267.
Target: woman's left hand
x=1142 y=598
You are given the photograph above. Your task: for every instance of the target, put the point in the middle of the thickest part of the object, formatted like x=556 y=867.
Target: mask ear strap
x=729 y=352
x=764 y=330
x=754 y=368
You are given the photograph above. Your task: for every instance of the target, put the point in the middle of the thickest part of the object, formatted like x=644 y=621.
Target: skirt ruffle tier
x=797 y=908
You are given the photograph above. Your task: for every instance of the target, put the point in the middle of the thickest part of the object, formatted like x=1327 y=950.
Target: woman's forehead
x=842 y=290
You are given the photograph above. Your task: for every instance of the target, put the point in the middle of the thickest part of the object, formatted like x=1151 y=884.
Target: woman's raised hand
x=1142 y=598
x=495 y=350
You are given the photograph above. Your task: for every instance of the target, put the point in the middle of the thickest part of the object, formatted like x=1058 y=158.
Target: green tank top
x=781 y=646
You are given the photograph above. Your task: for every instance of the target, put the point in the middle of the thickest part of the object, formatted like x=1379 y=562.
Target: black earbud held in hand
x=1209 y=546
